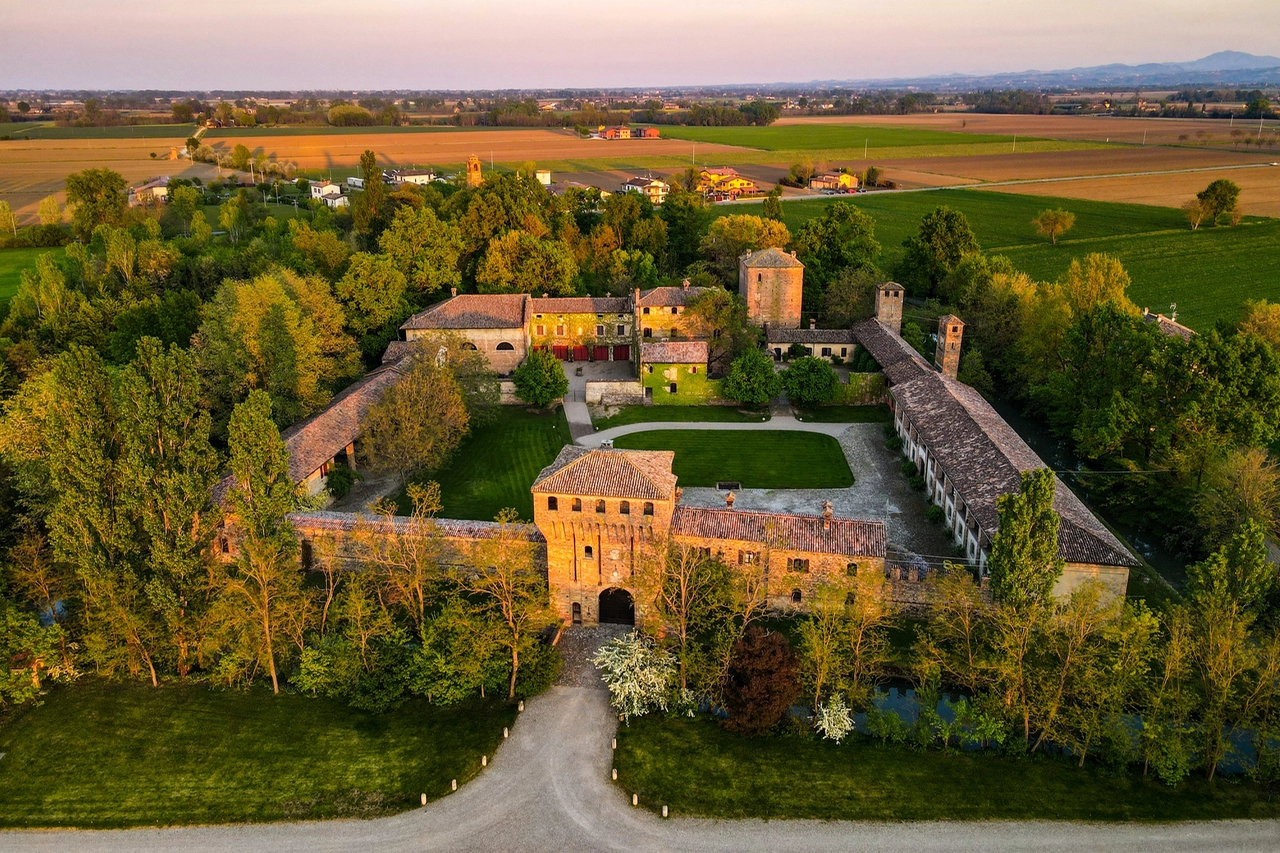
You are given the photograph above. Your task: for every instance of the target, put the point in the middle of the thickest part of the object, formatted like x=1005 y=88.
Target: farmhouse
x=834 y=181
x=422 y=177
x=581 y=328
x=495 y=324
x=654 y=189
x=725 y=182
x=661 y=311
x=830 y=344
x=325 y=189
x=152 y=192
x=1168 y=325
x=675 y=373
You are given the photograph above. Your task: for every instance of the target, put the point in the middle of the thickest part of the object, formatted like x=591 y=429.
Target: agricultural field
x=801 y=137
x=1208 y=273
x=326 y=130
x=47 y=130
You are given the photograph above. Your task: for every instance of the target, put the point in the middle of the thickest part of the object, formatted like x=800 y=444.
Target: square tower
x=889 y=306
x=947 y=355
x=771 y=282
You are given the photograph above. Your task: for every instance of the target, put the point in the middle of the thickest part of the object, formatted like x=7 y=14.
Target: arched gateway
x=617 y=607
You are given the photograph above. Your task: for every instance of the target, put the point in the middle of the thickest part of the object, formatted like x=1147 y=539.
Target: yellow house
x=834 y=181
x=726 y=181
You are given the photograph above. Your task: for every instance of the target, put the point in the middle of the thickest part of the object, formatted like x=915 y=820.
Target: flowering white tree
x=834 y=719
x=638 y=675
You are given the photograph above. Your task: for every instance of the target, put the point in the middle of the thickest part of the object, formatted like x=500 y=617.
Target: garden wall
x=624 y=392
x=862 y=389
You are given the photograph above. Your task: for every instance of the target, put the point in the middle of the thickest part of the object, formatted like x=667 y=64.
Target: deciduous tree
x=1024 y=552
x=1054 y=223
x=419 y=421
x=97 y=197
x=540 y=379
x=751 y=379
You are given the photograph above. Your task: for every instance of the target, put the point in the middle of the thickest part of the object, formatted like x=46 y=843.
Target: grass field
x=497 y=463
x=12 y=263
x=43 y=130
x=1208 y=273
x=846 y=415
x=325 y=130
x=685 y=414
x=699 y=770
x=111 y=755
x=768 y=459
x=827 y=136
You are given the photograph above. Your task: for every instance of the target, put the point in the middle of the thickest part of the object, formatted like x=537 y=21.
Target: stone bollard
x=453 y=786
x=484 y=761
x=635 y=799
x=614 y=744
x=520 y=707
x=504 y=732
x=664 y=811
x=615 y=774
x=424 y=799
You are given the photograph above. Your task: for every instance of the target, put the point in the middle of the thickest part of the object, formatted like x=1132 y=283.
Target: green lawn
x=803 y=137
x=685 y=414
x=1208 y=273
x=497 y=463
x=43 y=130
x=699 y=770
x=878 y=414
x=768 y=459
x=12 y=263
x=110 y=755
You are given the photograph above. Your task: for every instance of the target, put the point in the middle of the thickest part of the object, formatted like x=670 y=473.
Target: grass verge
x=767 y=459
x=700 y=770
x=627 y=415
x=497 y=463
x=877 y=414
x=106 y=755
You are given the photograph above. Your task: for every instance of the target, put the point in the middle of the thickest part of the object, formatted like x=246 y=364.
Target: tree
x=943 y=240
x=540 y=379
x=720 y=317
x=689 y=591
x=1262 y=318
x=425 y=249
x=519 y=262
x=262 y=604
x=372 y=293
x=32 y=652
x=1195 y=212
x=809 y=381
x=842 y=238
x=1099 y=279
x=752 y=380
x=8 y=222
x=687 y=218
x=871 y=177
x=371 y=207
x=1024 y=558
x=419 y=421
x=98 y=198
x=637 y=673
x=183 y=201
x=729 y=237
x=241 y=157
x=1219 y=198
x=50 y=212
x=504 y=576
x=850 y=296
x=823 y=651
x=1054 y=223
x=773 y=205
x=761 y=683
x=183 y=114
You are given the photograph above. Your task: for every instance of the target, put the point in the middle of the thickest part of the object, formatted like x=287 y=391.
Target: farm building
x=496 y=324
x=830 y=344
x=660 y=311
x=152 y=192
x=654 y=189
x=834 y=181
x=421 y=177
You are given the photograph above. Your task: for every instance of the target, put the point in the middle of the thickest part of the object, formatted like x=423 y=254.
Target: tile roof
x=983 y=456
x=640 y=474
x=665 y=296
x=811 y=336
x=674 y=352
x=396 y=350
x=897 y=358
x=580 y=305
x=812 y=533
x=770 y=258
x=1168 y=326
x=474 y=311
x=347 y=522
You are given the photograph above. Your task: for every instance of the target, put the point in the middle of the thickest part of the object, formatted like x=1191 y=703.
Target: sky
x=475 y=44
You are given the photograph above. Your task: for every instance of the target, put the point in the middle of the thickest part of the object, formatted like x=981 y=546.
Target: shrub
x=835 y=720
x=540 y=665
x=909 y=468
x=916 y=483
x=894 y=442
x=341 y=479
x=751 y=379
x=761 y=683
x=935 y=514
x=809 y=381
x=638 y=675
x=540 y=379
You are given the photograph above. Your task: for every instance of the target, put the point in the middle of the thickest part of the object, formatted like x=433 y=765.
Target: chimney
x=453 y=291
x=947 y=354
x=889 y=306
x=685 y=284
x=826 y=515
x=813 y=323
x=793 y=253
x=545 y=295
x=728 y=500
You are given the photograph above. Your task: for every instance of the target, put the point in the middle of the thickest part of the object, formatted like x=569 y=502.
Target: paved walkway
x=548 y=789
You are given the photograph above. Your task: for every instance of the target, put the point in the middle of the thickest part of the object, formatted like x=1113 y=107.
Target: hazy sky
x=261 y=44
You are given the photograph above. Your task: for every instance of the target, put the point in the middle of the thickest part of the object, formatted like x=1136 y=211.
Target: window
x=599 y=331
x=675 y=309
x=577 y=613
x=645 y=311
x=648 y=333
x=538 y=317
x=648 y=507
x=577 y=504
x=826 y=351
x=505 y=347
x=622 y=330
x=851 y=570
x=560 y=328
x=540 y=330
x=307 y=557
x=796 y=596
x=599 y=316
x=600 y=505
x=467 y=345
x=797 y=564
x=844 y=351
x=648 y=368
x=759 y=277
x=624 y=508
x=694 y=369
x=552 y=503
x=588 y=553
x=673 y=387
x=748 y=558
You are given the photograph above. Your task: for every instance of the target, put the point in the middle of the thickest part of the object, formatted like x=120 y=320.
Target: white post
x=615 y=774
x=453 y=785
x=484 y=761
x=424 y=799
x=614 y=744
x=664 y=811
x=504 y=732
x=635 y=799
x=866 y=144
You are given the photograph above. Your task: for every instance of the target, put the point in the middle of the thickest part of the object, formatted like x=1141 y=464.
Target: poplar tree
x=1024 y=552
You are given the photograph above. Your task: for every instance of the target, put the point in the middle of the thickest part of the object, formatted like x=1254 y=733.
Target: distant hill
x=1225 y=68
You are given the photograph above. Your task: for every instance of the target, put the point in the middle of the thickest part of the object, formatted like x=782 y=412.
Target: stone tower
x=947 y=355
x=474 y=178
x=889 y=306
x=771 y=282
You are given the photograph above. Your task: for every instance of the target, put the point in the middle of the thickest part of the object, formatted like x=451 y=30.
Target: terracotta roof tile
x=667 y=296
x=474 y=311
x=811 y=336
x=813 y=533
x=1168 y=326
x=674 y=352
x=580 y=305
x=889 y=350
x=770 y=258
x=640 y=474
x=347 y=522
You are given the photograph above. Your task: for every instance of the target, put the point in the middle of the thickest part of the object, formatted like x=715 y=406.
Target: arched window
x=589 y=552
x=505 y=347
x=552 y=503
x=577 y=504
x=577 y=613
x=468 y=345
x=796 y=596
x=759 y=276
x=648 y=507
x=625 y=507
x=600 y=505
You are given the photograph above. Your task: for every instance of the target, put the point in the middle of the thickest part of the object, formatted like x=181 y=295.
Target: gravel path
x=548 y=789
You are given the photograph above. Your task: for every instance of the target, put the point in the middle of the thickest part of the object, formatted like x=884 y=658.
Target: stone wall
x=772 y=295
x=504 y=348
x=623 y=392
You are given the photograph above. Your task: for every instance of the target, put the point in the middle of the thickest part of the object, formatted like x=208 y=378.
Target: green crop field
x=101 y=754
x=326 y=130
x=12 y=263
x=805 y=137
x=1208 y=273
x=767 y=459
x=42 y=130
x=496 y=465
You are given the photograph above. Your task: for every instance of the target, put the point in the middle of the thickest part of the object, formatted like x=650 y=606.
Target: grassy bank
x=111 y=755
x=497 y=463
x=767 y=459
x=700 y=770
